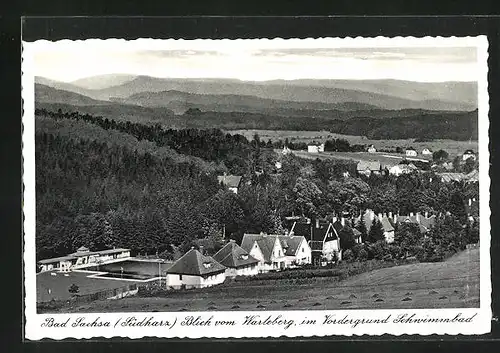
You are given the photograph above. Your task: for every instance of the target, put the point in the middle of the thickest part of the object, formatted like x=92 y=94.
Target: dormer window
x=207 y=264
x=244 y=257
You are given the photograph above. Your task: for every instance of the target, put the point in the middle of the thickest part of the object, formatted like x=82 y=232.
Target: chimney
x=334 y=219
x=418 y=217
x=202 y=250
x=380 y=216
x=232 y=241
x=342 y=221
x=470 y=202
x=390 y=214
x=411 y=214
x=317 y=223
x=395 y=219
x=426 y=214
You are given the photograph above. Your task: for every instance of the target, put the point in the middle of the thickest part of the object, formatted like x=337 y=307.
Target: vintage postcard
x=256 y=188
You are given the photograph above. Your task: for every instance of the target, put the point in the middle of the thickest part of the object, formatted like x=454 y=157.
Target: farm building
x=368 y=167
x=451 y=177
x=195 y=270
x=237 y=261
x=426 y=152
x=469 y=154
x=316 y=148
x=232 y=182
x=402 y=169
x=411 y=152
x=82 y=258
x=371 y=149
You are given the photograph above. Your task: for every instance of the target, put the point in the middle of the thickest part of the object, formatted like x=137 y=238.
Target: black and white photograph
x=254 y=188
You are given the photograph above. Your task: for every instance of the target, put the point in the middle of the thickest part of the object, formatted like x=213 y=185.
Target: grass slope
x=450 y=284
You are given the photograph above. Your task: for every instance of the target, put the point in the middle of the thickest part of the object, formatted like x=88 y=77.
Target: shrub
x=362 y=255
x=348 y=255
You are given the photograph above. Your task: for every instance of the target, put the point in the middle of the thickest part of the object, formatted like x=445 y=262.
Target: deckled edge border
x=481 y=43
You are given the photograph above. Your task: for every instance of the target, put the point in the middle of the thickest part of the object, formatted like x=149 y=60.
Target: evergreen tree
x=361 y=226
x=376 y=232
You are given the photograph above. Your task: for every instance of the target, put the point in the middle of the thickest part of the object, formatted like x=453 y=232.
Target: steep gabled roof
x=231 y=181
x=265 y=243
x=234 y=256
x=386 y=224
x=290 y=244
x=195 y=264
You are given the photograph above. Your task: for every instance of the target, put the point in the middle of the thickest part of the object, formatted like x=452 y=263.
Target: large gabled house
x=266 y=249
x=424 y=222
x=237 y=261
x=195 y=270
x=277 y=252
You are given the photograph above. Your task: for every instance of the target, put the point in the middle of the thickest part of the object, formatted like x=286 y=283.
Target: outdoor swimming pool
x=133 y=269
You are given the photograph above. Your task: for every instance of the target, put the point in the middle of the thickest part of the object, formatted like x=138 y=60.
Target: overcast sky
x=255 y=60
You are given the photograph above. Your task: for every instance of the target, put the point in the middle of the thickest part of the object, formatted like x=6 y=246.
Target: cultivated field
x=454 y=148
x=386 y=159
x=450 y=284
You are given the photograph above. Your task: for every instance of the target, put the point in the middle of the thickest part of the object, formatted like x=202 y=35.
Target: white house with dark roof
x=426 y=152
x=83 y=258
x=237 y=261
x=232 y=182
x=267 y=249
x=469 y=154
x=195 y=270
x=411 y=152
x=297 y=250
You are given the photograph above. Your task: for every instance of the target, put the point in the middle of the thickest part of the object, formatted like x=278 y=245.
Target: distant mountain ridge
x=385 y=94
x=181 y=101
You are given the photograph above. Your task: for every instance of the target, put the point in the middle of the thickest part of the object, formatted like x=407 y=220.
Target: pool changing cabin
x=83 y=258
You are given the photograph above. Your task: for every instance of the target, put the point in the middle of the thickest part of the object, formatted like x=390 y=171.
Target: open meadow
x=450 y=284
x=454 y=148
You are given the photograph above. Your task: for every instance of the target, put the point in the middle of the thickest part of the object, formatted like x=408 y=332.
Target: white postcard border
x=480 y=321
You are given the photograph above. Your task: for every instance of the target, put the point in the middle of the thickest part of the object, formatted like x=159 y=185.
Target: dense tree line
x=422 y=126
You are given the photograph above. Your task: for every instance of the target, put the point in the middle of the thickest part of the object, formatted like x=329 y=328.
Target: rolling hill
x=47 y=94
x=181 y=101
x=385 y=94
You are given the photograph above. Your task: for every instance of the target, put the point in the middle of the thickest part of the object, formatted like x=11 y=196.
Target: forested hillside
x=103 y=183
x=398 y=125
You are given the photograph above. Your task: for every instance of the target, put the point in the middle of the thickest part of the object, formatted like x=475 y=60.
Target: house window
x=180 y=277
x=303 y=249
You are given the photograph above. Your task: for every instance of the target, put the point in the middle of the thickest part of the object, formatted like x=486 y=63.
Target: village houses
x=411 y=152
x=371 y=149
x=368 y=167
x=277 y=252
x=195 y=270
x=232 y=182
x=316 y=147
x=399 y=169
x=426 y=152
x=468 y=154
x=237 y=261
